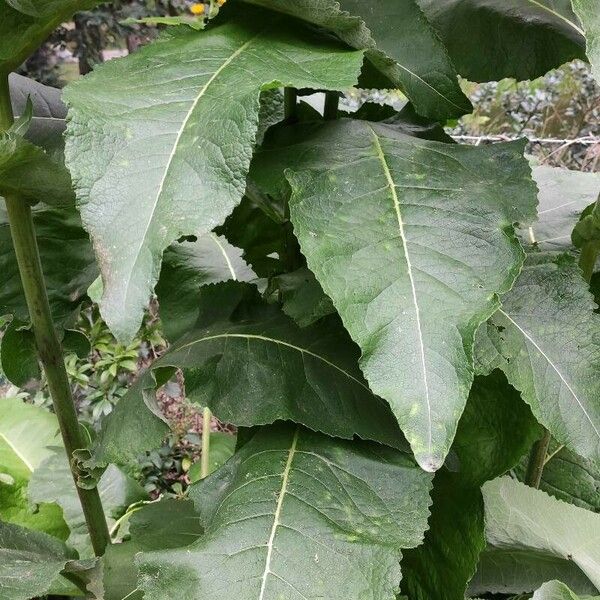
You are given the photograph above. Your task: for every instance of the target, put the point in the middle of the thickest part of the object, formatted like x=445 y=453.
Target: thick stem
x=290 y=104
x=48 y=345
x=205 y=456
x=537 y=460
x=332 y=102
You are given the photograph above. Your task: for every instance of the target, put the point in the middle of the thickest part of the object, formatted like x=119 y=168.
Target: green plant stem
x=290 y=104
x=48 y=346
x=332 y=102
x=537 y=460
x=205 y=456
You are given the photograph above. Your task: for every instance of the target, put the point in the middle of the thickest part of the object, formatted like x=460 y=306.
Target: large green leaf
x=563 y=195
x=26 y=431
x=252 y=365
x=546 y=338
x=53 y=482
x=24 y=25
x=492 y=39
x=412 y=240
x=555 y=590
x=496 y=428
x=295 y=514
x=589 y=15
x=154 y=159
x=521 y=571
x=399 y=41
x=29 y=562
x=518 y=517
x=189 y=265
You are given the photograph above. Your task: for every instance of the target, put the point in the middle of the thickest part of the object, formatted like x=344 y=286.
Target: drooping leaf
x=569 y=477
x=589 y=15
x=563 y=195
x=495 y=430
x=399 y=42
x=412 y=240
x=296 y=514
x=510 y=571
x=25 y=433
x=67 y=261
x=151 y=166
x=189 y=265
x=29 y=562
x=555 y=590
x=252 y=365
x=52 y=482
x=489 y=40
x=29 y=173
x=24 y=25
x=49 y=113
x=518 y=517
x=546 y=338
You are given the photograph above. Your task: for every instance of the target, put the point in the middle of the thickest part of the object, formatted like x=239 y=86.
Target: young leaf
x=416 y=61
x=492 y=39
x=297 y=514
x=589 y=15
x=519 y=517
x=25 y=24
x=495 y=430
x=563 y=195
x=412 y=240
x=25 y=433
x=29 y=562
x=555 y=590
x=546 y=338
x=187 y=266
x=49 y=113
x=252 y=365
x=153 y=159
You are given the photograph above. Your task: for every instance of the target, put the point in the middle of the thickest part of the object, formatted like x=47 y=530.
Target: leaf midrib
x=396 y=201
x=277 y=516
x=264 y=338
x=554 y=367
x=180 y=133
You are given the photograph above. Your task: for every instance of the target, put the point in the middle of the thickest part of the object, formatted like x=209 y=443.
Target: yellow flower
x=221 y=2
x=197 y=8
